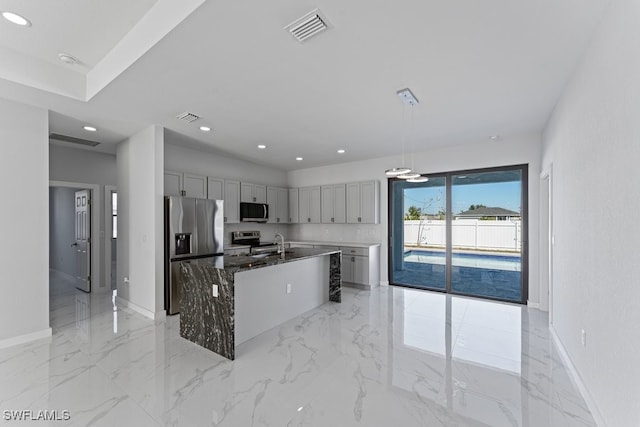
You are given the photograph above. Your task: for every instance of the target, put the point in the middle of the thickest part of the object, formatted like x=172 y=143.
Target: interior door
x=83 y=240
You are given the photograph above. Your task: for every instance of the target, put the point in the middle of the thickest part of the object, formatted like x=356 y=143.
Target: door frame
x=96 y=210
x=108 y=232
x=546 y=241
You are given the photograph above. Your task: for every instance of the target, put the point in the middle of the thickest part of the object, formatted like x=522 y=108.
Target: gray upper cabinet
x=334 y=204
x=253 y=193
x=232 y=201
x=309 y=205
x=172 y=183
x=195 y=186
x=215 y=189
x=278 y=201
x=185 y=184
x=229 y=191
x=363 y=202
x=293 y=206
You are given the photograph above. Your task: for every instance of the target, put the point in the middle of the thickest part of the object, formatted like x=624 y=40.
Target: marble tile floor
x=389 y=356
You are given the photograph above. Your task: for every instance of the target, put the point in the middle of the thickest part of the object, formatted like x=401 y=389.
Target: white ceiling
x=478 y=69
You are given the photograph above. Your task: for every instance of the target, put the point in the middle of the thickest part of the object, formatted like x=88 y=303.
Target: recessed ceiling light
x=494 y=137
x=299 y=159
x=262 y=146
x=16 y=19
x=68 y=59
x=341 y=151
x=205 y=128
x=89 y=128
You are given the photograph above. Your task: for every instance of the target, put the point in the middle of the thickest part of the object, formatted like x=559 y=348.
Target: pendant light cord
x=403 y=135
x=412 y=141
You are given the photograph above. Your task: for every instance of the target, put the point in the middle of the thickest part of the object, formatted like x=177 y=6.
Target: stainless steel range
x=252 y=238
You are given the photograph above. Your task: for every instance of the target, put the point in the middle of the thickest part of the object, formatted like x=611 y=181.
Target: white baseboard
x=533 y=304
x=160 y=315
x=384 y=283
x=22 y=339
x=577 y=380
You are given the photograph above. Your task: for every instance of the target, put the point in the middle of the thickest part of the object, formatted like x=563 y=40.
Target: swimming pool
x=484 y=261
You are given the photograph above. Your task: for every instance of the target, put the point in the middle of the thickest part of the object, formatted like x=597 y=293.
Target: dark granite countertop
x=236 y=263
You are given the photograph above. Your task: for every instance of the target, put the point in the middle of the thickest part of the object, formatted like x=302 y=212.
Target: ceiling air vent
x=187 y=117
x=309 y=25
x=71 y=139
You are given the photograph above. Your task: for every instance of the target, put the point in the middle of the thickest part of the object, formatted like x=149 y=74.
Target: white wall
x=183 y=159
x=24 y=170
x=481 y=154
x=79 y=165
x=140 y=221
x=593 y=142
x=203 y=163
x=62 y=256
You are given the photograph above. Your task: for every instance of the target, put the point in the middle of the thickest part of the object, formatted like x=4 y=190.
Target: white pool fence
x=466 y=233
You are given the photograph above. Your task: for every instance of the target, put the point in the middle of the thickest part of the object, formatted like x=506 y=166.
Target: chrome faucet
x=275 y=241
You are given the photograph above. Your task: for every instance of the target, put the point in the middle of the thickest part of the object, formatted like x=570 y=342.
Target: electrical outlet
x=288 y=288
x=214 y=290
x=583 y=337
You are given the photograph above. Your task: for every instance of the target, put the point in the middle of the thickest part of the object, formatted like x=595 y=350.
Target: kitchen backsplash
x=336 y=232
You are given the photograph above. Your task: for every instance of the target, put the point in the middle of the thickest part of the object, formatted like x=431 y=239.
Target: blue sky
x=431 y=199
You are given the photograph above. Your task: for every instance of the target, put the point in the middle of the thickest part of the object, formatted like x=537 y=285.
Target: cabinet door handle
x=308 y=219
x=353 y=259
x=359 y=219
x=225 y=219
x=331 y=219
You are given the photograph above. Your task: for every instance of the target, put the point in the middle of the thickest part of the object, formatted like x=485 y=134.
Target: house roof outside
x=485 y=211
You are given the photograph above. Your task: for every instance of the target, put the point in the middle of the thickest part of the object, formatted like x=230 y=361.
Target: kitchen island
x=225 y=301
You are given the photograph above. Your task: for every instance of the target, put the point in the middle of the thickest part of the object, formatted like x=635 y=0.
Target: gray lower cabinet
x=356 y=269
x=360 y=265
x=238 y=251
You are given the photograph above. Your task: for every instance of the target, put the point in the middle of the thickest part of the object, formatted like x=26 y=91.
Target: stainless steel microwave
x=254 y=212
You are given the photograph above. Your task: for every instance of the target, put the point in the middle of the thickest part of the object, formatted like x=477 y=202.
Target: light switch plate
x=214 y=290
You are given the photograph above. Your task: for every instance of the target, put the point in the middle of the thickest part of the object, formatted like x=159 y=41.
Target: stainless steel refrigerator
x=194 y=228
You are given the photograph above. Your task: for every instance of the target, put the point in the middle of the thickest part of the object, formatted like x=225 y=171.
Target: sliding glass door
x=461 y=232
x=420 y=240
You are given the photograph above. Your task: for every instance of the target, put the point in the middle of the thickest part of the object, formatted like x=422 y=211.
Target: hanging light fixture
x=408 y=98
x=420 y=178
x=401 y=170
x=394 y=172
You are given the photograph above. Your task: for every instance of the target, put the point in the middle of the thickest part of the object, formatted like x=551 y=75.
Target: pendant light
x=395 y=172
x=409 y=99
